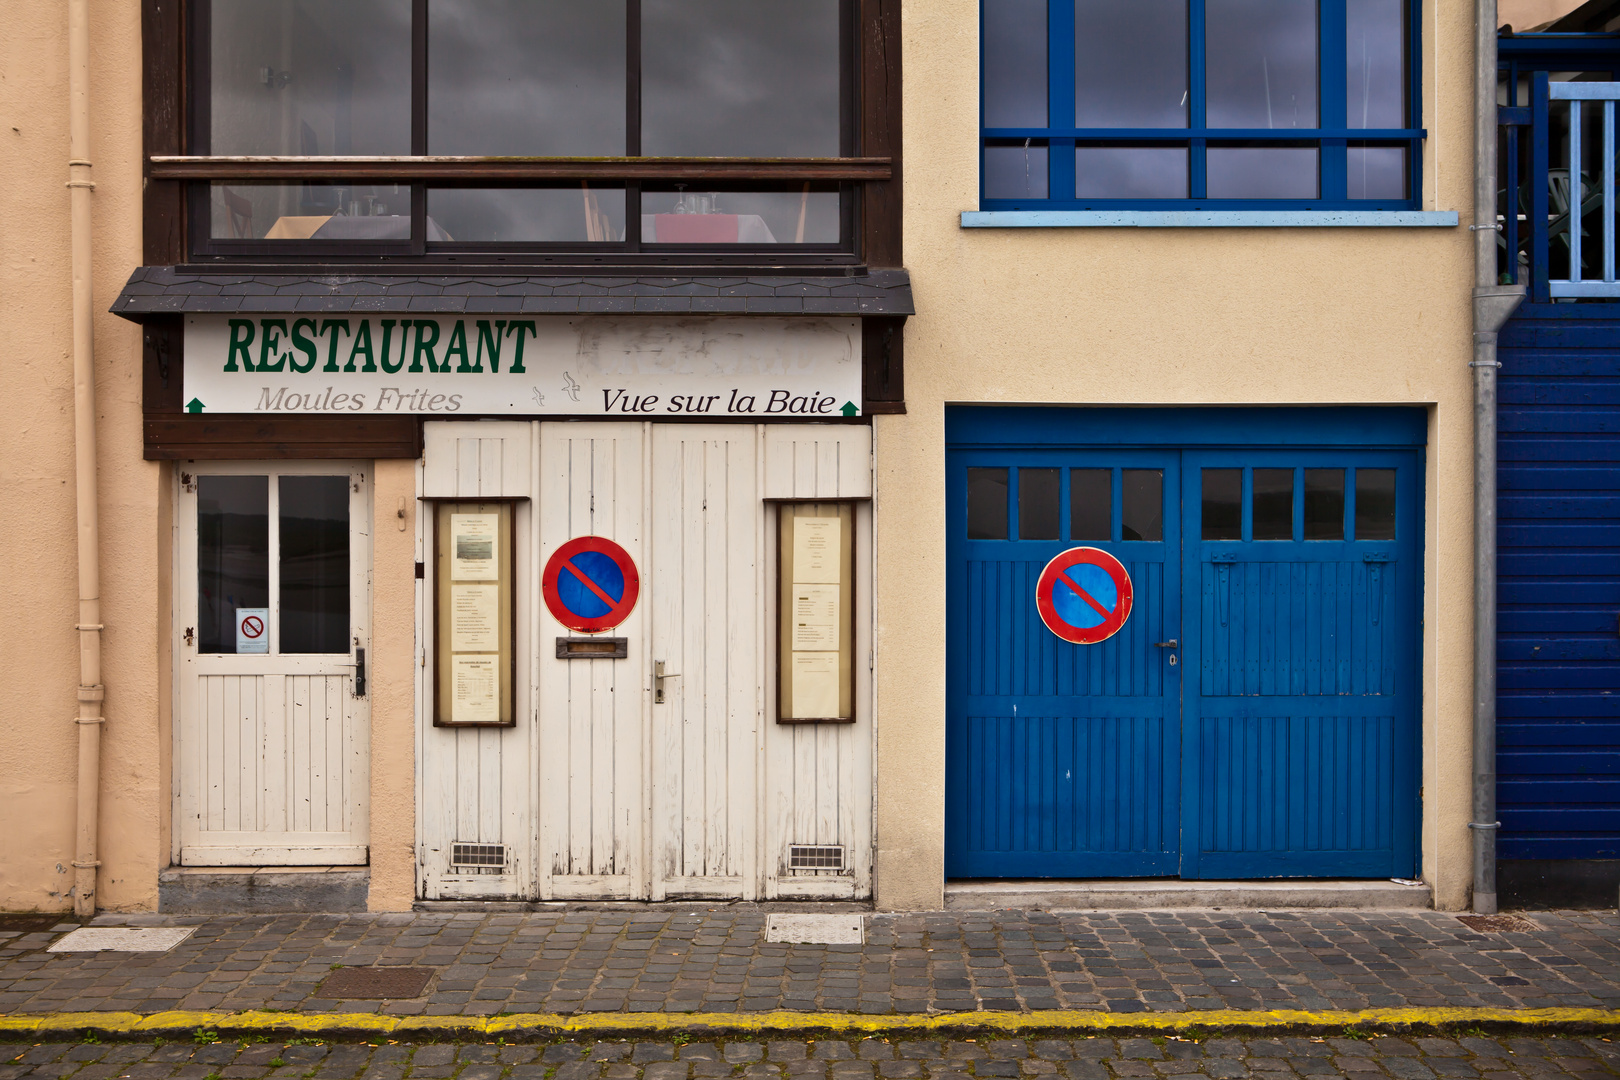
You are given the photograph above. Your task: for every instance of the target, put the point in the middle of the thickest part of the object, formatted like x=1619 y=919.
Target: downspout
x=1493 y=304
x=91 y=691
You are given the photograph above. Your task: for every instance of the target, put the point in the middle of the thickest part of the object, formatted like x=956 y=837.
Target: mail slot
x=593 y=648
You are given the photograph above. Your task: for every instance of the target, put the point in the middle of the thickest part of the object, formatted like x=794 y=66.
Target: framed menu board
x=816 y=621
x=472 y=614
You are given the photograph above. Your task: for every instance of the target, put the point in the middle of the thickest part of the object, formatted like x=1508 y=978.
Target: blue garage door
x=1257 y=714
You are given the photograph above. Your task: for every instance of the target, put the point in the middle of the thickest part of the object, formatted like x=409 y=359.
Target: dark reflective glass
x=310 y=77
x=1376 y=172
x=743 y=78
x=1375 y=62
x=233 y=555
x=1130 y=63
x=1091 y=505
x=526 y=77
x=1273 y=516
x=1262 y=172
x=987 y=504
x=1375 y=504
x=1324 y=504
x=534 y=215
x=1130 y=172
x=1014 y=63
x=1039 y=513
x=1143 y=511
x=314 y=536
x=1260 y=60
x=1015 y=172
x=312 y=212
x=1222 y=510
x=740 y=217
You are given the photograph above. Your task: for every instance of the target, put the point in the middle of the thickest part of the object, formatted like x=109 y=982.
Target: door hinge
x=191 y=633
x=188 y=482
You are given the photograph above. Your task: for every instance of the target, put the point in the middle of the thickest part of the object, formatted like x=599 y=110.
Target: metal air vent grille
x=814 y=857
x=477 y=856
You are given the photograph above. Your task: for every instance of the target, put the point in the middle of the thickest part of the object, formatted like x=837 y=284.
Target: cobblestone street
x=1096 y=1058
x=715 y=958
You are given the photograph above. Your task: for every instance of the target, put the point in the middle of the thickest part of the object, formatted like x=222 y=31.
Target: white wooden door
x=272 y=745
x=707 y=595
x=593 y=713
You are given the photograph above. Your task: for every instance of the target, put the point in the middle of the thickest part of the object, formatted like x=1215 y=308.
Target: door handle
x=359 y=673
x=1171 y=644
x=659 y=675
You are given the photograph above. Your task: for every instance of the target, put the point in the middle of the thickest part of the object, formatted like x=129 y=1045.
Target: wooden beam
x=508 y=169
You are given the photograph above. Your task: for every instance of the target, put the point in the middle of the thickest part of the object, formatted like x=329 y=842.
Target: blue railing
x=1557 y=209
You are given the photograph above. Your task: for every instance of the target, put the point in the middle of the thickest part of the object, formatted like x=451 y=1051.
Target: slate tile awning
x=168 y=290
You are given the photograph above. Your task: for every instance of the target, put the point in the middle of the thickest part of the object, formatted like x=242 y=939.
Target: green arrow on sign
x=849 y=409
x=195 y=405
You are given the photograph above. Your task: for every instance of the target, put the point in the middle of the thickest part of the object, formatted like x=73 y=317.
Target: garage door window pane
x=987 y=504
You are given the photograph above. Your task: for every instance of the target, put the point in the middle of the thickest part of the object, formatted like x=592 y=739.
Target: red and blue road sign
x=590 y=584
x=1084 y=595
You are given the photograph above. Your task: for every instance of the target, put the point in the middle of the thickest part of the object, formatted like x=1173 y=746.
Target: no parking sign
x=1084 y=595
x=590 y=584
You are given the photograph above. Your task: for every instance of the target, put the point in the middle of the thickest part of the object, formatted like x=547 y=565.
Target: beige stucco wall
x=1161 y=316
x=393 y=688
x=38 y=740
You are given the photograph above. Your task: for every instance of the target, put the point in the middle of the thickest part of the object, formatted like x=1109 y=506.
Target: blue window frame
x=1200 y=105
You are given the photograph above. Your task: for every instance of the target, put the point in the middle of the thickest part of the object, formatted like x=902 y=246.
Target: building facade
x=615 y=477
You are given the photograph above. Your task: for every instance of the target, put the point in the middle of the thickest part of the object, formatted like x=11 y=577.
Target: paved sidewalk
x=685 y=958
x=1378 y=1058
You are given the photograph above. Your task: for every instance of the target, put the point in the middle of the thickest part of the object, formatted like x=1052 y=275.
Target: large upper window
x=607 y=80
x=1199 y=103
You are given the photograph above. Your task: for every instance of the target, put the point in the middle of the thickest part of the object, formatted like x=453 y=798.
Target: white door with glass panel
x=274 y=576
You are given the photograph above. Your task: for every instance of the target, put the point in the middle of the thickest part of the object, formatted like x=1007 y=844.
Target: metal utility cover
x=817 y=929
x=376 y=982
x=122 y=939
x=1498 y=924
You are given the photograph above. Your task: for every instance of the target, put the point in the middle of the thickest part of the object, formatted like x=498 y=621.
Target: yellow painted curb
x=524 y=1026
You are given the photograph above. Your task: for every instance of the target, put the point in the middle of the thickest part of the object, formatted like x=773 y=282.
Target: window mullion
x=1060 y=97
x=1196 y=186
x=1331 y=64
x=632 y=121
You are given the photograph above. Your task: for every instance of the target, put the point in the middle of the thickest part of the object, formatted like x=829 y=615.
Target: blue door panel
x=1062 y=758
x=1257 y=716
x=1303 y=736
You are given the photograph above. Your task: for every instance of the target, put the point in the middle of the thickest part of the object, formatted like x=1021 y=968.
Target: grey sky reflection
x=530 y=77
x=1015 y=63
x=1130 y=63
x=740 y=78
x=1261 y=62
x=339 y=77
x=1375 y=58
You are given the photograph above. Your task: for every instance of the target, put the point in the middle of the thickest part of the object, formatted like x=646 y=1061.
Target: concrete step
x=262 y=890
x=1170 y=894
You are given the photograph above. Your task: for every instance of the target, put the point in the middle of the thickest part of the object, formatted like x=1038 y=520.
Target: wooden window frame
x=178 y=173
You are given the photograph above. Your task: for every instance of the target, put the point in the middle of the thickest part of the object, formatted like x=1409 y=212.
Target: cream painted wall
x=1151 y=316
x=38 y=740
x=393 y=688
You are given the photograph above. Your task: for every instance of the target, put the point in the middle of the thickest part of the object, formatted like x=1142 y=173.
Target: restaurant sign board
x=482 y=365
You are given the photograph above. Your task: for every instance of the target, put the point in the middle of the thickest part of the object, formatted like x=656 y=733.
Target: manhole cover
x=816 y=929
x=376 y=982
x=1498 y=924
x=121 y=939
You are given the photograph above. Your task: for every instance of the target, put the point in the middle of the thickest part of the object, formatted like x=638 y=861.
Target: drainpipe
x=1493 y=304
x=91 y=691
